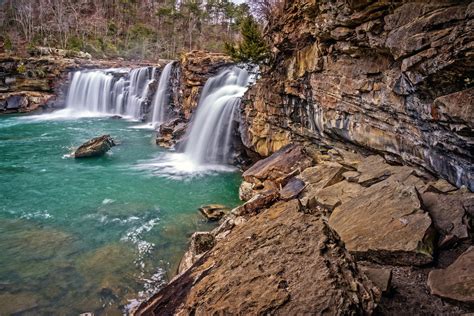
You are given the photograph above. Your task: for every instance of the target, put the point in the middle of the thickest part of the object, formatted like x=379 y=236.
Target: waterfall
x=211 y=131
x=110 y=91
x=162 y=96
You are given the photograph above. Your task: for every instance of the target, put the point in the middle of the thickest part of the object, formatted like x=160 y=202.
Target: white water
x=107 y=92
x=162 y=96
x=210 y=134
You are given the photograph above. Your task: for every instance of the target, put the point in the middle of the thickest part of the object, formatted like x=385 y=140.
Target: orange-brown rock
x=280 y=262
x=386 y=224
x=456 y=282
x=393 y=77
x=196 y=68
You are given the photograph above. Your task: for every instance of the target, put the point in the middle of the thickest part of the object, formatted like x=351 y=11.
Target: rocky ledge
x=330 y=230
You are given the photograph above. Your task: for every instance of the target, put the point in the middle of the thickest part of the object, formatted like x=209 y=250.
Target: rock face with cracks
x=391 y=76
x=280 y=262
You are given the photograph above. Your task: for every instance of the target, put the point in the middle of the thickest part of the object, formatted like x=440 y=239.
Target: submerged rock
x=456 y=281
x=95 y=147
x=214 y=212
x=280 y=262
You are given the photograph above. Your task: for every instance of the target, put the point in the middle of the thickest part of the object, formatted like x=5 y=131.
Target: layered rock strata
x=394 y=77
x=266 y=255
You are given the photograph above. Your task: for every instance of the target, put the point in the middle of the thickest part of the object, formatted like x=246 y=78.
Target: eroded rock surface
x=95 y=147
x=280 y=262
x=393 y=77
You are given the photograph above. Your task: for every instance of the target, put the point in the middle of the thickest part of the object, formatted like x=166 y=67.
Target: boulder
x=214 y=212
x=319 y=177
x=373 y=169
x=456 y=282
x=280 y=262
x=95 y=147
x=171 y=132
x=279 y=167
x=385 y=224
x=257 y=203
x=448 y=212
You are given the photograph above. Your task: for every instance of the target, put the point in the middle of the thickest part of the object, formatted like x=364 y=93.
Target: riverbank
x=322 y=226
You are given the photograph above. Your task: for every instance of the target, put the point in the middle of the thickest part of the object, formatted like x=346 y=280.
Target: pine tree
x=252 y=48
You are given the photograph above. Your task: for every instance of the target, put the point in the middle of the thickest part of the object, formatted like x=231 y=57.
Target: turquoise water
x=90 y=235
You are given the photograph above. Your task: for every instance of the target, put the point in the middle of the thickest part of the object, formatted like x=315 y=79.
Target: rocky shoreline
x=358 y=231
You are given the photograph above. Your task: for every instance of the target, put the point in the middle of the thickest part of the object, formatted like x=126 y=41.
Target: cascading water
x=162 y=95
x=209 y=144
x=111 y=91
x=210 y=135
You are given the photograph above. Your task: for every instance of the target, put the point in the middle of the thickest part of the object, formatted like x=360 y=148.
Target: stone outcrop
x=21 y=102
x=95 y=147
x=456 y=282
x=280 y=262
x=392 y=77
x=171 y=132
x=274 y=172
x=40 y=81
x=196 y=68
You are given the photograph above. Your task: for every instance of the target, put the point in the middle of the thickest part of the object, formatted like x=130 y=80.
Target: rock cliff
x=394 y=77
x=27 y=84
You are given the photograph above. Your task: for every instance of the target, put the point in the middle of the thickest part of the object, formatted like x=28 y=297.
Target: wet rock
x=214 y=212
x=116 y=117
x=456 y=282
x=281 y=261
x=385 y=224
x=95 y=147
x=448 y=212
x=201 y=242
x=196 y=68
x=171 y=132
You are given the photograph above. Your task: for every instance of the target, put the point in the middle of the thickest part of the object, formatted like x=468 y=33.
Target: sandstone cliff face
x=393 y=77
x=195 y=68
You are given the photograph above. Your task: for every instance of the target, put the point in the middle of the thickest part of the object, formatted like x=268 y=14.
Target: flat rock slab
x=279 y=262
x=319 y=177
x=373 y=169
x=385 y=224
x=456 y=281
x=286 y=161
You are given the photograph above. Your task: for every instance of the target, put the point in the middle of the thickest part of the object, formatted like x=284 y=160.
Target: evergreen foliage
x=252 y=48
